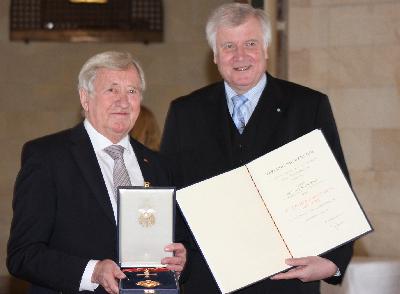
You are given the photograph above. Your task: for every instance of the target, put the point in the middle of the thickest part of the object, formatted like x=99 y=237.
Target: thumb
x=119 y=274
x=295 y=261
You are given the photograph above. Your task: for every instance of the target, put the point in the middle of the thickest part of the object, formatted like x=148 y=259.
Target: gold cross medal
x=147 y=283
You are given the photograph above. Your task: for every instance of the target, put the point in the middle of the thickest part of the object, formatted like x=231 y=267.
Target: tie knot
x=115 y=151
x=239 y=100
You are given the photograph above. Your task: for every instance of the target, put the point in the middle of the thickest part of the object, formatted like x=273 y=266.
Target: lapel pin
x=146 y=160
x=278 y=110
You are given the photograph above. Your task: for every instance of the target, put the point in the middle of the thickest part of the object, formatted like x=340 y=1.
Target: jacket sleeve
x=170 y=148
x=29 y=255
x=325 y=120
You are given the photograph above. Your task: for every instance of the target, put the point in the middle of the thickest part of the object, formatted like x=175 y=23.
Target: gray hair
x=110 y=60
x=235 y=14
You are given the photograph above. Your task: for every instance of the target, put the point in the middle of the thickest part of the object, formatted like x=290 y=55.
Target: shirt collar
x=253 y=94
x=100 y=142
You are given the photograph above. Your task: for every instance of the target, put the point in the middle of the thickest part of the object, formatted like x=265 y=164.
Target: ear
x=84 y=97
x=266 y=52
x=215 y=57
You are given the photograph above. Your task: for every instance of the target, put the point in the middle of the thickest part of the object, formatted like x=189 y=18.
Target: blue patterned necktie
x=120 y=173
x=239 y=109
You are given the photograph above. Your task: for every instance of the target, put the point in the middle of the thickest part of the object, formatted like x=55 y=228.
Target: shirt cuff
x=338 y=273
x=86 y=282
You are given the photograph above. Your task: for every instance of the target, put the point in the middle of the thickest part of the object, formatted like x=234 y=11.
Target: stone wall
x=350 y=49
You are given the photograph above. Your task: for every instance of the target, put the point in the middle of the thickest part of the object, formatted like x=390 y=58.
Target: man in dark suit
x=63 y=236
x=213 y=130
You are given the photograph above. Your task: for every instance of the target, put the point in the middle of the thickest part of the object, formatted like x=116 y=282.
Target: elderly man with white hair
x=64 y=230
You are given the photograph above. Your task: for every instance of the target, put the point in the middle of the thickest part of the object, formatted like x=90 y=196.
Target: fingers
x=173 y=263
x=294 y=273
x=308 y=269
x=106 y=273
x=298 y=261
x=177 y=248
x=178 y=261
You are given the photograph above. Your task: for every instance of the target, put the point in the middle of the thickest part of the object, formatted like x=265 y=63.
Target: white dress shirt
x=253 y=96
x=99 y=142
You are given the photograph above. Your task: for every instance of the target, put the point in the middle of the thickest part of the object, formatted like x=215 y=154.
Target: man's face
x=241 y=55
x=114 y=105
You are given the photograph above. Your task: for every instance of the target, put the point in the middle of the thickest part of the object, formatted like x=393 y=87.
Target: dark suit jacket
x=197 y=139
x=62 y=212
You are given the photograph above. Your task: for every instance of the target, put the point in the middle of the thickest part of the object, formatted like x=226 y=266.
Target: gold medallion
x=148 y=284
x=146 y=217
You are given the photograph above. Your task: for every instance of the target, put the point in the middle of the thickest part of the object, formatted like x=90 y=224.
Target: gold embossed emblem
x=147 y=217
x=148 y=284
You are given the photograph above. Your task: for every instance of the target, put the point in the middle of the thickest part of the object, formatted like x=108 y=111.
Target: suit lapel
x=267 y=115
x=144 y=163
x=83 y=153
x=217 y=117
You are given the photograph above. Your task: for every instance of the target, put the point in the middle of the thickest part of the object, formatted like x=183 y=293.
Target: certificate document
x=291 y=202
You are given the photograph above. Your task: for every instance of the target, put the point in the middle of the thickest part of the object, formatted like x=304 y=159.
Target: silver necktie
x=120 y=173
x=239 y=108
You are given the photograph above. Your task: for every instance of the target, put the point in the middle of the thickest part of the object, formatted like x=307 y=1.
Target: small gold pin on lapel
x=146 y=184
x=146 y=160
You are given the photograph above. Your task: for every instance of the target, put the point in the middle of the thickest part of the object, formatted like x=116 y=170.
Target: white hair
x=110 y=60
x=235 y=14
